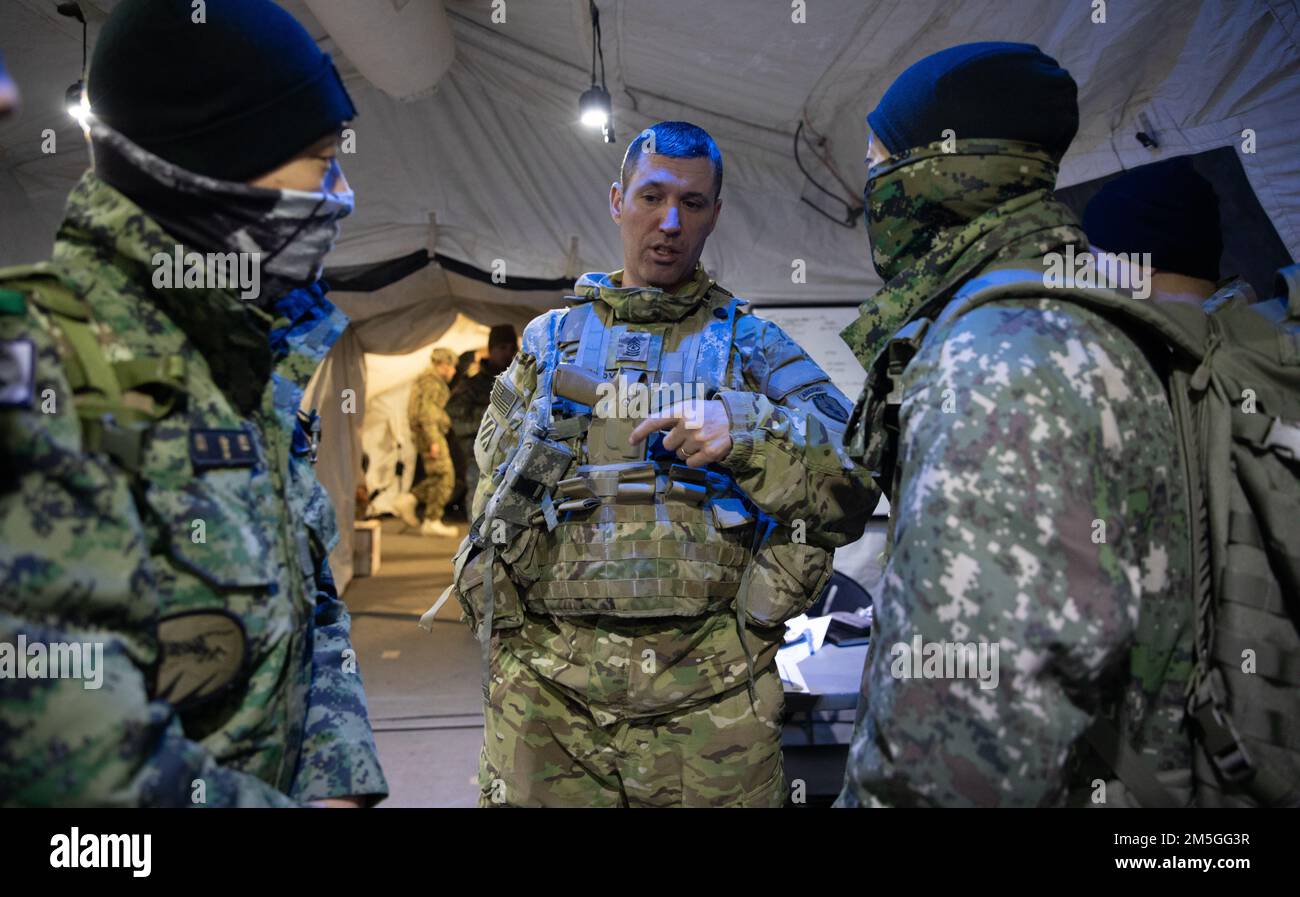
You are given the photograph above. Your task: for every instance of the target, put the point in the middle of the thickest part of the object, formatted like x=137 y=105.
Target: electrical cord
x=851 y=212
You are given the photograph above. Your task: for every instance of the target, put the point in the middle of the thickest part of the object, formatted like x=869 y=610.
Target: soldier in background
x=1167 y=210
x=469 y=400
x=466 y=366
x=430 y=424
x=159 y=506
x=458 y=504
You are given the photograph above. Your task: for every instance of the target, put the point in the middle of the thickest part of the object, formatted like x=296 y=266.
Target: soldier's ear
x=616 y=202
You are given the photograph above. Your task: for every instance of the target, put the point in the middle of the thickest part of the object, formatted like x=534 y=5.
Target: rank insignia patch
x=633 y=347
x=221 y=448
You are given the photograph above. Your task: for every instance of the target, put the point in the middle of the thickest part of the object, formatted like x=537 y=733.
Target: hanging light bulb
x=595 y=107
x=78 y=105
x=75 y=96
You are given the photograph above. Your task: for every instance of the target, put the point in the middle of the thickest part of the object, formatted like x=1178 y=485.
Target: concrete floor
x=424 y=689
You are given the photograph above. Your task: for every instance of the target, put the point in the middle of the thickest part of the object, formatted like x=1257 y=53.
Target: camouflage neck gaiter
x=644 y=305
x=290 y=231
x=914 y=197
x=936 y=218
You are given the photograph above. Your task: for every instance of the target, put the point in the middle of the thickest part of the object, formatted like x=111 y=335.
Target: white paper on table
x=819 y=626
x=794 y=627
x=787 y=664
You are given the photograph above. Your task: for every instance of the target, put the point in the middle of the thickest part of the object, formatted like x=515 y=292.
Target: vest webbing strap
x=643 y=587
x=1270 y=661
x=485 y=625
x=591 y=344
x=1254 y=591
x=637 y=549
x=108 y=423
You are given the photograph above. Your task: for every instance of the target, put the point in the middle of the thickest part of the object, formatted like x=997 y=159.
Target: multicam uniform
x=619 y=669
x=190 y=538
x=1038 y=504
x=430 y=424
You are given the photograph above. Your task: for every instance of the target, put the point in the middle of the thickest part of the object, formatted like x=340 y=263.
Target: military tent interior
x=469 y=160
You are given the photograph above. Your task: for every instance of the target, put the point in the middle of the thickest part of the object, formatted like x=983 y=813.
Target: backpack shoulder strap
x=1182 y=326
x=111 y=422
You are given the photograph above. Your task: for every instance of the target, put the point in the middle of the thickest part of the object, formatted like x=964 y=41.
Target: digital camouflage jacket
x=1038 y=506
x=193 y=556
x=787 y=460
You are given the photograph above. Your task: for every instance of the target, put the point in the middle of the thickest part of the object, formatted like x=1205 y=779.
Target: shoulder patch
x=829 y=406
x=202 y=656
x=17 y=373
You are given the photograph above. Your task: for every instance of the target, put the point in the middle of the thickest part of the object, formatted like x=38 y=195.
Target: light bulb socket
x=595 y=107
x=75 y=97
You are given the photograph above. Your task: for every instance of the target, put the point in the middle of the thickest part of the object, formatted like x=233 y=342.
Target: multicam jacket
x=635 y=650
x=194 y=557
x=427 y=411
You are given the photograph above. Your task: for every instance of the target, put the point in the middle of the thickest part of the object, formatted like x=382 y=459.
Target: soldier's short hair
x=678 y=140
x=442 y=356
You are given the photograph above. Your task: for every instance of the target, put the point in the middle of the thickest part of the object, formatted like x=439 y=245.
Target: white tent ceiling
x=496 y=153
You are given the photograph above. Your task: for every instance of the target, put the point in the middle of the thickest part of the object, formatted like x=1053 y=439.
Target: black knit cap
x=990 y=89
x=503 y=335
x=232 y=97
x=1164 y=208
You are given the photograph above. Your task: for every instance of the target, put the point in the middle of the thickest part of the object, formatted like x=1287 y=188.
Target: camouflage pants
x=435 y=489
x=542 y=748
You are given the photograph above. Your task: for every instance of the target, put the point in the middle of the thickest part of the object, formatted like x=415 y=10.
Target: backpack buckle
x=122 y=442
x=1218 y=737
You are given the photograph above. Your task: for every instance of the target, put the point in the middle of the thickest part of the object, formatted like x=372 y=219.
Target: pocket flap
x=216 y=526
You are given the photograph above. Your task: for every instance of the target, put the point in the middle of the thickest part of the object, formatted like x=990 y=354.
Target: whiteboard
x=817 y=329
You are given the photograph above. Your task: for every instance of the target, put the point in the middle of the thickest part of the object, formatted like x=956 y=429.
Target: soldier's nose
x=672 y=222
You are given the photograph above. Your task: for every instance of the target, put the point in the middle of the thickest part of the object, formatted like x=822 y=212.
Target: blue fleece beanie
x=991 y=89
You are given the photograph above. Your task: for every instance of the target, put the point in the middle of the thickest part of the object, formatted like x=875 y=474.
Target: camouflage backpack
x=1233 y=378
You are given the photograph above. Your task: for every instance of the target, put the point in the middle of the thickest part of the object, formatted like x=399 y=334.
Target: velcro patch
x=633 y=347
x=202 y=654
x=17 y=373
x=221 y=448
x=831 y=407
